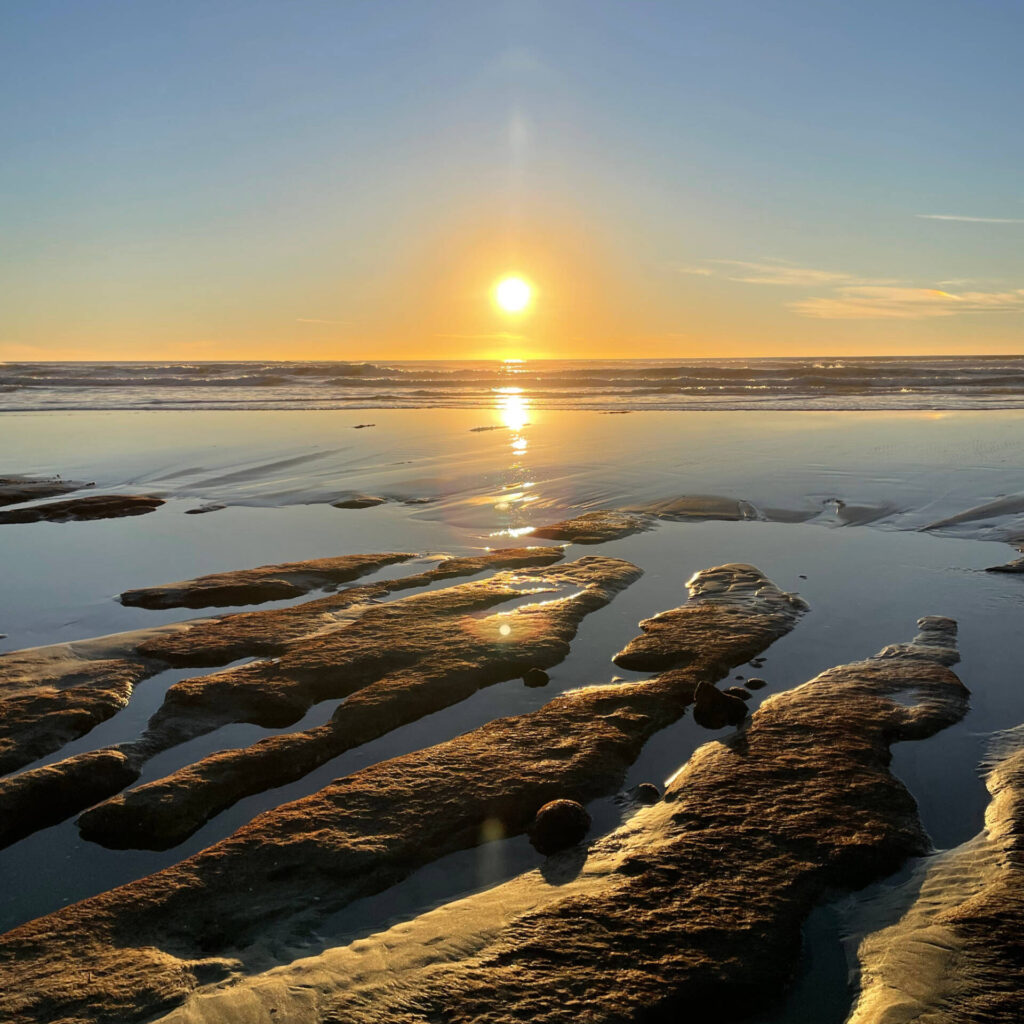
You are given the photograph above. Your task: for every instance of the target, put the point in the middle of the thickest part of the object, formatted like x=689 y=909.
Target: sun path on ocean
x=512 y=294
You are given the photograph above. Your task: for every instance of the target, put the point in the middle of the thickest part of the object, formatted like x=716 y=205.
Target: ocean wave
x=870 y=383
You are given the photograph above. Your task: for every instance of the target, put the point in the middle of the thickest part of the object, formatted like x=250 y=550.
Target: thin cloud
x=780 y=273
x=314 y=320
x=697 y=271
x=875 y=303
x=970 y=220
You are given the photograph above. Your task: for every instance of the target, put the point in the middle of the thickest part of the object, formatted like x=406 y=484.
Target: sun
x=512 y=294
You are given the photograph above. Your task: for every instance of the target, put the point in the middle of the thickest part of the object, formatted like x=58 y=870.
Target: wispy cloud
x=696 y=271
x=970 y=220
x=778 y=272
x=875 y=303
x=314 y=320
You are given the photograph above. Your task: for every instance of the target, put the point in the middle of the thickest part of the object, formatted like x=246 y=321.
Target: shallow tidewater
x=276 y=471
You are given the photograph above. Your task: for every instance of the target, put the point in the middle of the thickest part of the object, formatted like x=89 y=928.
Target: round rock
x=559 y=824
x=536 y=677
x=646 y=793
x=737 y=691
x=756 y=683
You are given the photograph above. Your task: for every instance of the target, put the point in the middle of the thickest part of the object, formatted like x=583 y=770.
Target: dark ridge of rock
x=359 y=501
x=726 y=594
x=592 y=528
x=15 y=489
x=217 y=641
x=694 y=907
x=212 y=506
x=1015 y=567
x=714 y=709
x=536 y=677
x=264 y=583
x=45 y=796
x=139 y=950
x=363 y=426
x=52 y=695
x=93 y=506
x=737 y=691
x=559 y=824
x=956 y=952
x=395 y=664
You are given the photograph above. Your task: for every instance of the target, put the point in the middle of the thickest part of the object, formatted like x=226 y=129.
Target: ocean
x=948 y=382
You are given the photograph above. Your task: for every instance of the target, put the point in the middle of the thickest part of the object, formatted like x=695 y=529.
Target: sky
x=222 y=179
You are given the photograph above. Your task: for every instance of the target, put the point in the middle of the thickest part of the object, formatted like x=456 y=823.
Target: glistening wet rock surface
x=266 y=583
x=694 y=907
x=15 y=489
x=132 y=952
x=592 y=527
x=93 y=506
x=395 y=664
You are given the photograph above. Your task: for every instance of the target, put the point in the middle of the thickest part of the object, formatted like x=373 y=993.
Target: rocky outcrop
x=244 y=634
x=15 y=489
x=266 y=583
x=128 y=954
x=694 y=907
x=93 y=506
x=44 y=796
x=52 y=695
x=395 y=664
x=592 y=528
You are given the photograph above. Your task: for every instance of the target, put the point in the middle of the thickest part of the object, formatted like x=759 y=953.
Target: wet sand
x=869 y=531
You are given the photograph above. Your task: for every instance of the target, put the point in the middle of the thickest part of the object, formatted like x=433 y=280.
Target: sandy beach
x=207 y=732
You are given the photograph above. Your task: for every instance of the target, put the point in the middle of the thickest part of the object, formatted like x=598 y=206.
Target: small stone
x=536 y=677
x=737 y=691
x=756 y=683
x=358 y=501
x=646 y=793
x=714 y=709
x=740 y=678
x=559 y=824
x=802 y=576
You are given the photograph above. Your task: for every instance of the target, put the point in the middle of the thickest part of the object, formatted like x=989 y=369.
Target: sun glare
x=512 y=294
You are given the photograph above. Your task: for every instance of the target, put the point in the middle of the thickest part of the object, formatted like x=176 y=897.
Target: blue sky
x=296 y=178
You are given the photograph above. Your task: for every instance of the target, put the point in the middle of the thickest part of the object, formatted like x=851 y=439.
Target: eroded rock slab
x=128 y=954
x=265 y=583
x=692 y=908
x=93 y=506
x=592 y=527
x=395 y=664
x=52 y=695
x=15 y=489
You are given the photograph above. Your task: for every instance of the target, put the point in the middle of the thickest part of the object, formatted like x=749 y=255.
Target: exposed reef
x=15 y=489
x=694 y=907
x=395 y=663
x=592 y=528
x=265 y=583
x=93 y=506
x=141 y=949
x=52 y=695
